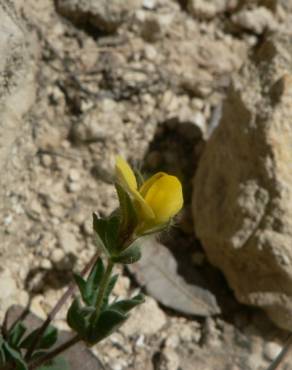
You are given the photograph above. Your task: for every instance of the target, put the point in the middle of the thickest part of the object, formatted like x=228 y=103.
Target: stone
x=242 y=197
x=8 y=290
x=105 y=15
x=67 y=240
x=272 y=350
x=154 y=26
x=147 y=319
x=57 y=255
x=18 y=53
x=207 y=9
x=256 y=20
x=170 y=359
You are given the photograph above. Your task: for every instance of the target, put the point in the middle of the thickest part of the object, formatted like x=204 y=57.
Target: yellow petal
x=125 y=174
x=165 y=198
x=127 y=180
x=144 y=211
x=148 y=183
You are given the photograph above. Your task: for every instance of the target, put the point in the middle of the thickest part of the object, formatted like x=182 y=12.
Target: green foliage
x=124 y=306
x=82 y=317
x=14 y=356
x=48 y=339
x=15 y=334
x=107 y=232
x=127 y=212
x=108 y=322
x=78 y=317
x=12 y=345
x=89 y=288
x=129 y=255
x=58 y=363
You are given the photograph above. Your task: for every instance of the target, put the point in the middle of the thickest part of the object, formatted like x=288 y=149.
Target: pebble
x=149 y=4
x=46 y=160
x=271 y=350
x=57 y=255
x=150 y=52
x=74 y=175
x=46 y=264
x=73 y=187
x=171 y=359
x=67 y=241
x=122 y=286
x=172 y=341
x=36 y=306
x=7 y=286
x=87 y=227
x=146 y=319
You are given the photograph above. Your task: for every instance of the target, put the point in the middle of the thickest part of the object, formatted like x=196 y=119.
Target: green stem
x=57 y=308
x=103 y=285
x=50 y=355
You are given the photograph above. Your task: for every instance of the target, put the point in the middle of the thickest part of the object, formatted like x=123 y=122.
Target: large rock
x=242 y=199
x=17 y=91
x=105 y=15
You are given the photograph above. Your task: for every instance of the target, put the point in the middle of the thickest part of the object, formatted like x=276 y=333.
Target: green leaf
x=89 y=288
x=81 y=283
x=107 y=231
x=109 y=289
x=100 y=230
x=130 y=255
x=108 y=322
x=58 y=363
x=15 y=357
x=2 y=352
x=16 y=334
x=112 y=233
x=77 y=317
x=128 y=214
x=126 y=305
x=48 y=339
x=96 y=274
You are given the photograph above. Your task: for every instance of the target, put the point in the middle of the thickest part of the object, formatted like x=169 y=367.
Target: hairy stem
x=55 y=352
x=57 y=308
x=102 y=289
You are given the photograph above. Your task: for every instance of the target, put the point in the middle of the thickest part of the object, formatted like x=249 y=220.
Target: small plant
x=145 y=207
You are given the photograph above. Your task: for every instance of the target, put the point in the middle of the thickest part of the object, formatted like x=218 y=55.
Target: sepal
x=107 y=232
x=129 y=255
x=108 y=322
x=78 y=318
x=126 y=305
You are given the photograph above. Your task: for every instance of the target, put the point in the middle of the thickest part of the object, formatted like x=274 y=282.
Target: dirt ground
x=150 y=90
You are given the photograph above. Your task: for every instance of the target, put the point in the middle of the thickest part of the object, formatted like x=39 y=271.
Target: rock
x=154 y=26
x=208 y=9
x=67 y=240
x=17 y=93
x=271 y=350
x=105 y=15
x=242 y=198
x=9 y=293
x=169 y=360
x=146 y=319
x=256 y=20
x=93 y=126
x=57 y=255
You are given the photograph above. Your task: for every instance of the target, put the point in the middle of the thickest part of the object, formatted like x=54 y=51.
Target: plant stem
x=103 y=285
x=57 y=308
x=55 y=352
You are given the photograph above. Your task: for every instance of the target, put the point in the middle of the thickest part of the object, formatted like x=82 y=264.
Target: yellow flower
x=158 y=199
